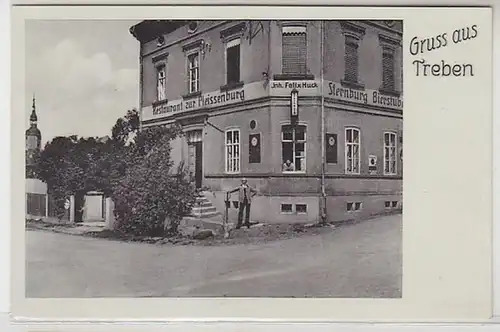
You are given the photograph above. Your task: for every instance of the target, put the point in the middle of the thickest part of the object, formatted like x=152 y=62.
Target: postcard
x=220 y=163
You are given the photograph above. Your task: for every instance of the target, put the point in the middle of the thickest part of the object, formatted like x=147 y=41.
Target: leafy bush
x=153 y=196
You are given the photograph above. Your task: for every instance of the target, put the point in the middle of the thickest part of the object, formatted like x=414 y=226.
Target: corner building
x=250 y=95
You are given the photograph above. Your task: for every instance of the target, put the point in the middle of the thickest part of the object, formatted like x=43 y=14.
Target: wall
x=35 y=186
x=369 y=55
x=372 y=128
x=254 y=60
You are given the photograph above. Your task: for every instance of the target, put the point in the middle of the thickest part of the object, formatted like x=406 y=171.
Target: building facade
x=310 y=112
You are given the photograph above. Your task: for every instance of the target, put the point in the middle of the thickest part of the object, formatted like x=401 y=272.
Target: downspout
x=322 y=79
x=141 y=86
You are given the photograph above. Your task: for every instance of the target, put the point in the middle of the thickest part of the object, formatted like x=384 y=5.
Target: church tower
x=33 y=142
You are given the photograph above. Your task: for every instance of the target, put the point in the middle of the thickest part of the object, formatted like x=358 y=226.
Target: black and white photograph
x=214 y=158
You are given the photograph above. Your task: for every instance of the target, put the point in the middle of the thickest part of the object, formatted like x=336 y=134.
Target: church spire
x=33 y=117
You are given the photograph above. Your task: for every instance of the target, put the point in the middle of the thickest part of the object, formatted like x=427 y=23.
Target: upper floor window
x=351 y=60
x=352 y=151
x=193 y=72
x=161 y=83
x=293 y=146
x=389 y=46
x=353 y=34
x=294 y=50
x=233 y=151
x=390 y=153
x=233 y=61
x=388 y=82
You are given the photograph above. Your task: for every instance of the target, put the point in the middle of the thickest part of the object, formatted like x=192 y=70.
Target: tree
x=67 y=165
x=152 y=198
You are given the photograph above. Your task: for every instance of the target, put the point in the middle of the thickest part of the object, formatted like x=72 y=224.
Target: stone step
x=202 y=209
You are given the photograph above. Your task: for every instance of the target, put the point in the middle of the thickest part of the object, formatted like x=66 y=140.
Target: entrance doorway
x=195 y=156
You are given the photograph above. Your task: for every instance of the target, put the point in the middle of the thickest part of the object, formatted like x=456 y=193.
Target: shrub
x=152 y=198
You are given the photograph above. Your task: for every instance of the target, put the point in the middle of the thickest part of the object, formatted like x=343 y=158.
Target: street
x=360 y=260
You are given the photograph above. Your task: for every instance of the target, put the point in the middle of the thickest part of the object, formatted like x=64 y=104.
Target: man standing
x=245 y=194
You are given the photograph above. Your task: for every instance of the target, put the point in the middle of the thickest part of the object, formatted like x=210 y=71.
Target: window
x=390 y=153
x=391 y=204
x=388 y=69
x=233 y=151
x=353 y=206
x=352 y=145
x=294 y=50
x=286 y=208
x=161 y=81
x=193 y=72
x=301 y=208
x=351 y=60
x=353 y=33
x=293 y=145
x=233 y=61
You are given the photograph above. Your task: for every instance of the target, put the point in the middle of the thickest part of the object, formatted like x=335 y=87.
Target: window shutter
x=351 y=62
x=294 y=53
x=388 y=70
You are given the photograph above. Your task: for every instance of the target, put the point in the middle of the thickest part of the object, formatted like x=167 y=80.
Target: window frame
x=386 y=84
x=346 y=144
x=286 y=212
x=291 y=28
x=395 y=147
x=389 y=45
x=229 y=43
x=227 y=163
x=294 y=152
x=161 y=68
x=197 y=53
x=353 y=34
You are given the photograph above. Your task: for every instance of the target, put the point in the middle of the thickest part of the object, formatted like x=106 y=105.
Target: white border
x=496 y=118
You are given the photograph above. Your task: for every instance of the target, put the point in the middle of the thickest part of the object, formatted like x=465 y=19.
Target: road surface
x=361 y=260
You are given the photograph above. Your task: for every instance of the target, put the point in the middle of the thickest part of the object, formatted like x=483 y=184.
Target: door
x=195 y=156
x=198 y=173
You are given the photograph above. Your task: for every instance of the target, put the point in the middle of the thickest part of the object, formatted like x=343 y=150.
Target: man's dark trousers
x=245 y=205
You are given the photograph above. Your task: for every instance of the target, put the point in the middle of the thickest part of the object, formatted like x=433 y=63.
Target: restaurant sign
x=205 y=100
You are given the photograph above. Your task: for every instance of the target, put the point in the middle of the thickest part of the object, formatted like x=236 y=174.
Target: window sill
x=297 y=77
x=160 y=102
x=232 y=86
x=389 y=92
x=293 y=172
x=352 y=84
x=191 y=95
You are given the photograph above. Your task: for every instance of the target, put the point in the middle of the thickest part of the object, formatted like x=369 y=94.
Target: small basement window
x=286 y=208
x=350 y=206
x=301 y=208
x=387 y=204
x=357 y=206
x=394 y=204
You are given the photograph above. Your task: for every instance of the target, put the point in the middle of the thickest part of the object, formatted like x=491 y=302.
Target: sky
x=84 y=74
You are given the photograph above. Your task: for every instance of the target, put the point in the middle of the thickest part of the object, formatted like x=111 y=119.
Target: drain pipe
x=322 y=82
